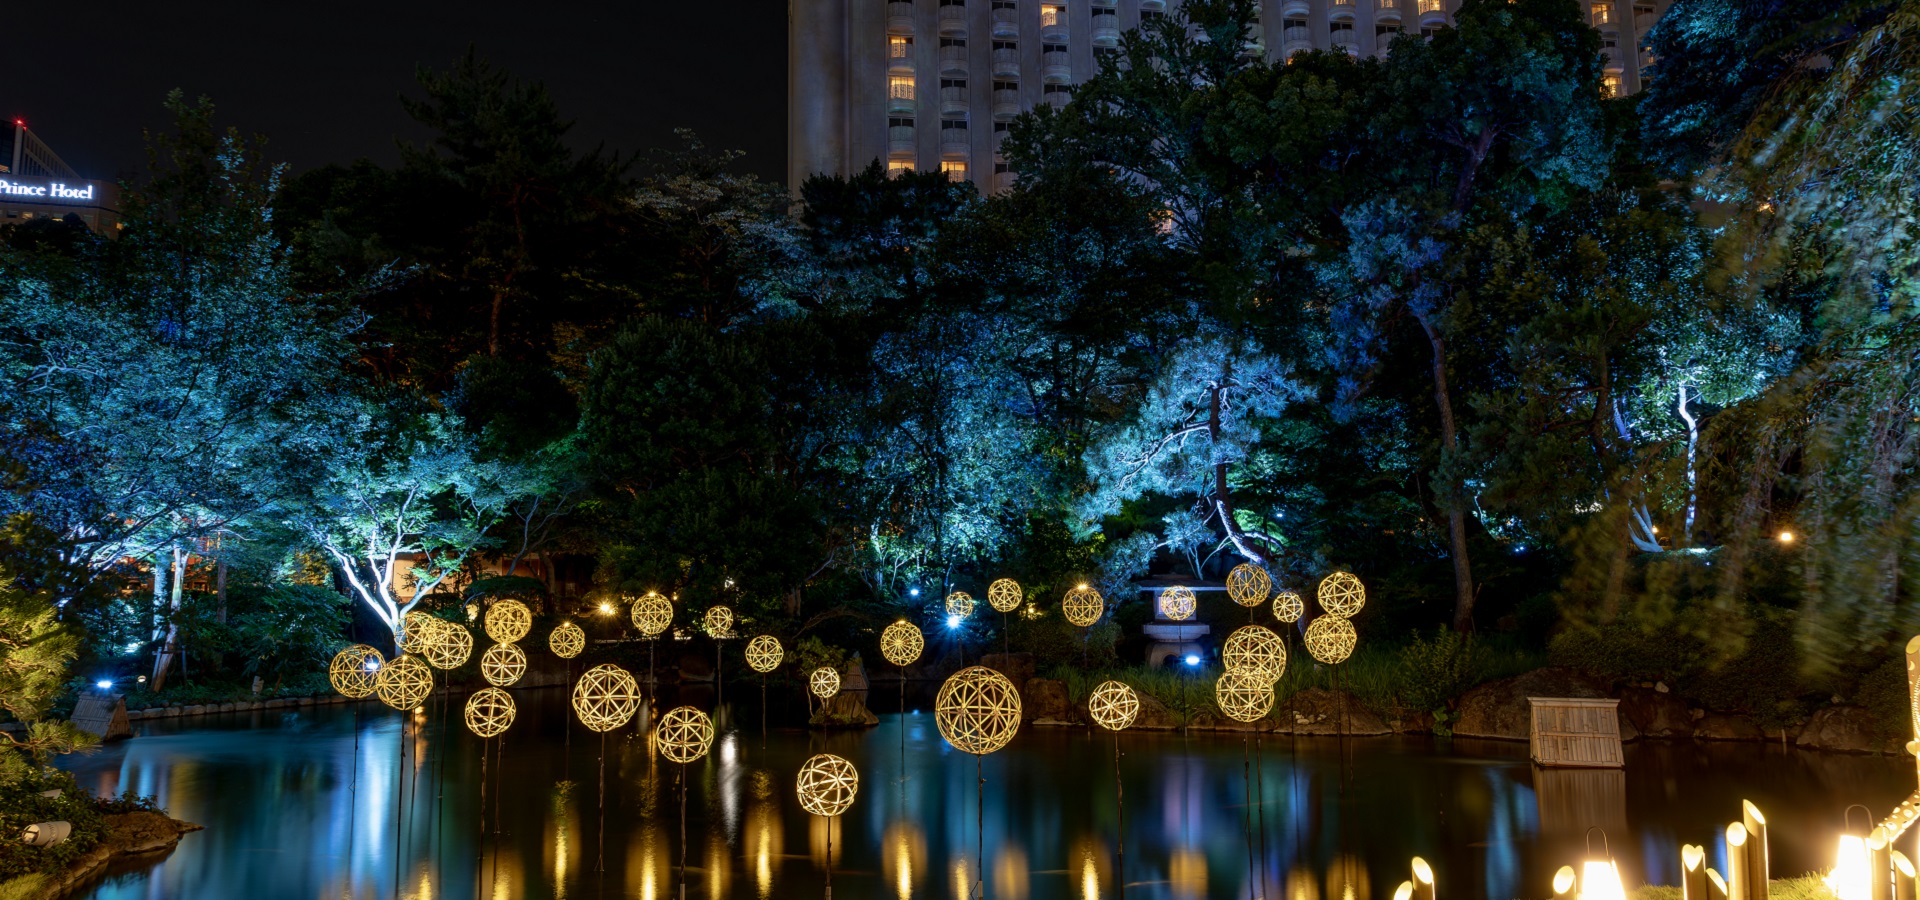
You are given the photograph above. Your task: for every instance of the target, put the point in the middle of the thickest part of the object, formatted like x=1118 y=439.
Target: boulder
x=1153 y=716
x=1655 y=713
x=1018 y=667
x=1848 y=729
x=1320 y=711
x=1499 y=709
x=1044 y=702
x=845 y=710
x=854 y=676
x=1718 y=727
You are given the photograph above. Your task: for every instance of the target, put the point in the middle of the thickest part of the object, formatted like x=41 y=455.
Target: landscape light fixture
x=953 y=621
x=1786 y=537
x=103 y=684
x=1193 y=660
x=1600 y=875
x=1851 y=878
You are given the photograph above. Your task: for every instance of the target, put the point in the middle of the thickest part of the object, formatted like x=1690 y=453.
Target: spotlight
x=913 y=592
x=1193 y=660
x=1786 y=537
x=606 y=609
x=103 y=684
x=953 y=621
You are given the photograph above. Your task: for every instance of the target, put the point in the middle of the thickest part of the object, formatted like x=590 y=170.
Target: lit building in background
x=35 y=182
x=932 y=84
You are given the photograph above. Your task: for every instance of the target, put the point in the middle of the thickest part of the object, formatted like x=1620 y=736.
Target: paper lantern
x=404 y=682
x=1288 y=607
x=684 y=734
x=605 y=697
x=1176 y=603
x=1255 y=651
x=978 y=710
x=489 y=710
x=503 y=664
x=1242 y=696
x=960 y=603
x=1248 y=585
x=567 y=640
x=1004 y=595
x=1330 y=639
x=415 y=629
x=825 y=682
x=508 y=621
x=827 y=785
x=1113 y=706
x=354 y=670
x=652 y=614
x=448 y=646
x=1342 y=595
x=901 y=643
x=764 y=653
x=719 y=620
x=1083 y=606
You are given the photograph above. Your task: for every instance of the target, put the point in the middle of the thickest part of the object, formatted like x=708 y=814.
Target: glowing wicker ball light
x=684 y=734
x=489 y=712
x=503 y=664
x=508 y=621
x=978 y=710
x=1083 y=606
x=1288 y=607
x=764 y=653
x=448 y=646
x=1004 y=595
x=354 y=670
x=605 y=697
x=719 y=622
x=567 y=640
x=960 y=603
x=1255 y=651
x=827 y=785
x=1342 y=595
x=652 y=614
x=1330 y=639
x=1248 y=585
x=1177 y=603
x=901 y=643
x=404 y=682
x=1113 y=706
x=825 y=682
x=1242 y=696
x=416 y=629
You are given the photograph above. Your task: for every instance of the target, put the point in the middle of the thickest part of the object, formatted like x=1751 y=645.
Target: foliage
x=293 y=629
x=1438 y=669
x=21 y=804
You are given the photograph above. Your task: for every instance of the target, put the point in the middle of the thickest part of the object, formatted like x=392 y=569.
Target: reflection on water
x=321 y=803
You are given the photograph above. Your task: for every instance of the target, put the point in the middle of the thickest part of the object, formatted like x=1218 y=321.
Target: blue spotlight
x=103 y=684
x=1193 y=660
x=953 y=621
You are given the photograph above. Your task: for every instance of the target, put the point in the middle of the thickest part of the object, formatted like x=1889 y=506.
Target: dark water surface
x=308 y=803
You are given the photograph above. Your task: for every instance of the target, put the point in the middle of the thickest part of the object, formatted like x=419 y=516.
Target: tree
x=35 y=651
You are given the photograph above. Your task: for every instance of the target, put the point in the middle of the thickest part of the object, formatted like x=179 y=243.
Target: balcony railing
x=899 y=139
x=953 y=21
x=899 y=18
x=953 y=62
x=900 y=60
x=1057 y=66
x=899 y=106
x=1057 y=99
x=1106 y=28
x=1298 y=34
x=1006 y=63
x=1006 y=104
x=1006 y=22
x=954 y=142
x=953 y=101
x=1053 y=23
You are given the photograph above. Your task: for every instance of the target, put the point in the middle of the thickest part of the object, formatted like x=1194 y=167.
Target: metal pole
x=1120 y=805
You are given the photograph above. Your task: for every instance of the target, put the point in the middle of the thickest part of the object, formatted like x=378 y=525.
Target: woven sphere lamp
x=404 y=682
x=354 y=669
x=503 y=664
x=508 y=621
x=1249 y=585
x=901 y=643
x=978 y=710
x=719 y=621
x=652 y=614
x=567 y=640
x=827 y=785
x=1342 y=595
x=1242 y=696
x=1177 y=603
x=1288 y=607
x=448 y=646
x=825 y=682
x=1005 y=595
x=1083 y=606
x=605 y=697
x=489 y=711
x=764 y=653
x=416 y=628
x=1330 y=639
x=1255 y=651
x=960 y=603
x=684 y=734
x=1113 y=706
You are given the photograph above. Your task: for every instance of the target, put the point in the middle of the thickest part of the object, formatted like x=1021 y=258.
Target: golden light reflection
x=1188 y=872
x=766 y=841
x=507 y=873
x=1010 y=874
x=1302 y=884
x=647 y=866
x=903 y=857
x=962 y=878
x=563 y=821
x=817 y=840
x=426 y=886
x=1347 y=879
x=1089 y=863
x=717 y=868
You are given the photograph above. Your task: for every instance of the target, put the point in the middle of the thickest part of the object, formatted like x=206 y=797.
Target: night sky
x=322 y=80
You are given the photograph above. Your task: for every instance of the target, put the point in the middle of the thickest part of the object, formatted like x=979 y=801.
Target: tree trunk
x=220 y=586
x=164 y=659
x=1452 y=501
x=155 y=632
x=1222 y=491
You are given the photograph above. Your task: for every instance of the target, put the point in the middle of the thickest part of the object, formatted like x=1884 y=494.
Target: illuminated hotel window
x=1052 y=15
x=1603 y=14
x=900 y=87
x=1610 y=85
x=1427 y=6
x=899 y=46
x=896 y=166
x=956 y=169
x=1389 y=4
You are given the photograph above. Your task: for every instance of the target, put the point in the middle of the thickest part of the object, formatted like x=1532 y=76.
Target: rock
x=1153 y=716
x=1044 y=702
x=128 y=834
x=845 y=710
x=227 y=707
x=1412 y=723
x=1499 y=709
x=1018 y=667
x=1848 y=729
x=1717 y=727
x=1654 y=713
x=854 y=676
x=1320 y=711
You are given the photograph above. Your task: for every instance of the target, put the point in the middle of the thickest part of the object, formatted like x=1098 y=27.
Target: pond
x=316 y=802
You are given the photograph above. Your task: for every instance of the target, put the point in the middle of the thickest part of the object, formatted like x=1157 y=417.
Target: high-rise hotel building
x=932 y=84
